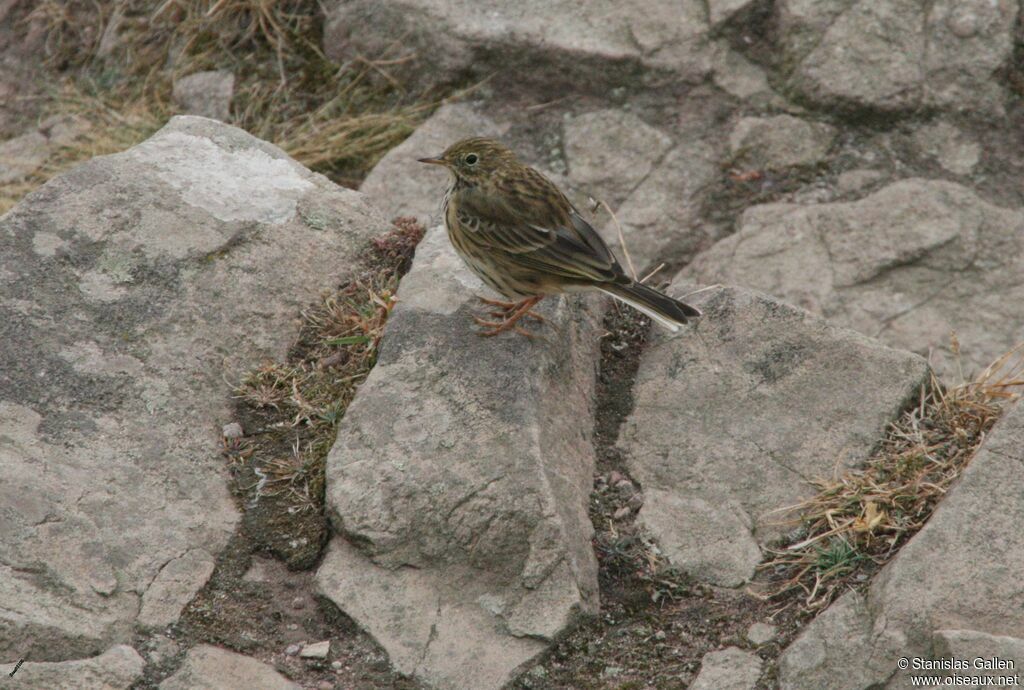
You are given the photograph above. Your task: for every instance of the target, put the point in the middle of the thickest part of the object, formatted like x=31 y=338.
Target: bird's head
x=472 y=160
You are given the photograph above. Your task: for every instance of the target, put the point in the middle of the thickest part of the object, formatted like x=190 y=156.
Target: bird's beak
x=432 y=161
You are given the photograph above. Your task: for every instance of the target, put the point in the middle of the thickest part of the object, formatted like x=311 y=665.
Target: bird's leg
x=510 y=316
x=506 y=309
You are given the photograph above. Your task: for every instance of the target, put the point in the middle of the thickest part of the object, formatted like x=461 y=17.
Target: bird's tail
x=670 y=313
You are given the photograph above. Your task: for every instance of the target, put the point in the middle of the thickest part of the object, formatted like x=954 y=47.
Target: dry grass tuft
x=856 y=524
x=305 y=397
x=114 y=65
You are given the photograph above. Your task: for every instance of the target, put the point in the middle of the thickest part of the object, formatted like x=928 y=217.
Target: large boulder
x=909 y=264
x=955 y=586
x=131 y=289
x=889 y=55
x=459 y=482
x=736 y=416
x=586 y=45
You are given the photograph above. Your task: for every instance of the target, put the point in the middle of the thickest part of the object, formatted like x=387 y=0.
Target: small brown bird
x=519 y=233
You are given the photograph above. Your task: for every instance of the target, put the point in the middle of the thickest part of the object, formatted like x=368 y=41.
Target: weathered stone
x=178 y=581
x=22 y=156
x=610 y=152
x=781 y=141
x=735 y=417
x=317 y=650
x=853 y=181
x=961 y=571
x=118 y=668
x=660 y=219
x=953 y=149
x=589 y=44
x=760 y=633
x=131 y=288
x=908 y=264
x=728 y=669
x=898 y=54
x=207 y=94
x=970 y=645
x=464 y=541
x=401 y=186
x=211 y=668
x=834 y=650
x=721 y=11
x=741 y=78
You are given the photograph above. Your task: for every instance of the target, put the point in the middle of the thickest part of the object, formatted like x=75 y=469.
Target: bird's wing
x=534 y=225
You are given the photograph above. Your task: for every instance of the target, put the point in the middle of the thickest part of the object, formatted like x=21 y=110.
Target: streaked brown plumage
x=519 y=233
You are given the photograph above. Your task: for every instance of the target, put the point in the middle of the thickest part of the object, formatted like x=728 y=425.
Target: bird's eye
x=471 y=159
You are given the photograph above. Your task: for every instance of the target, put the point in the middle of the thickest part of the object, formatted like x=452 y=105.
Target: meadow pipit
x=516 y=230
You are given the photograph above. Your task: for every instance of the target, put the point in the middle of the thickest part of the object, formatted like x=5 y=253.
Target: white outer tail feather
x=647 y=311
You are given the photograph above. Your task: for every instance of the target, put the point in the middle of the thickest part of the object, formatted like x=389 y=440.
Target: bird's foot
x=509 y=313
x=506 y=309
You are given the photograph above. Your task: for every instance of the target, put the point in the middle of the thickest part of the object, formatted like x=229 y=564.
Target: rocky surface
x=463 y=539
x=781 y=141
x=206 y=93
x=118 y=668
x=909 y=264
x=609 y=152
x=728 y=669
x=735 y=417
x=211 y=668
x=952 y=586
x=401 y=186
x=587 y=46
x=132 y=287
x=892 y=55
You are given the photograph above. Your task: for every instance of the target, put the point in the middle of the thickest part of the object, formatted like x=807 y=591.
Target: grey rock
x=590 y=45
x=955 y=150
x=317 y=650
x=661 y=219
x=292 y=649
x=760 y=633
x=721 y=11
x=834 y=651
x=232 y=430
x=897 y=55
x=115 y=669
x=739 y=77
x=782 y=141
x=175 y=585
x=211 y=668
x=728 y=669
x=908 y=264
x=464 y=543
x=207 y=94
x=853 y=181
x=401 y=186
x=22 y=156
x=131 y=288
x=959 y=571
x=969 y=645
x=610 y=152
x=734 y=418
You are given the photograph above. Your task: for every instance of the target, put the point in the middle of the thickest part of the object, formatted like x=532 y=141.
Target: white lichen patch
x=246 y=185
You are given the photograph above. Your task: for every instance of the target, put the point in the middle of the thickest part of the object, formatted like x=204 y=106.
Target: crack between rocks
x=433 y=633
